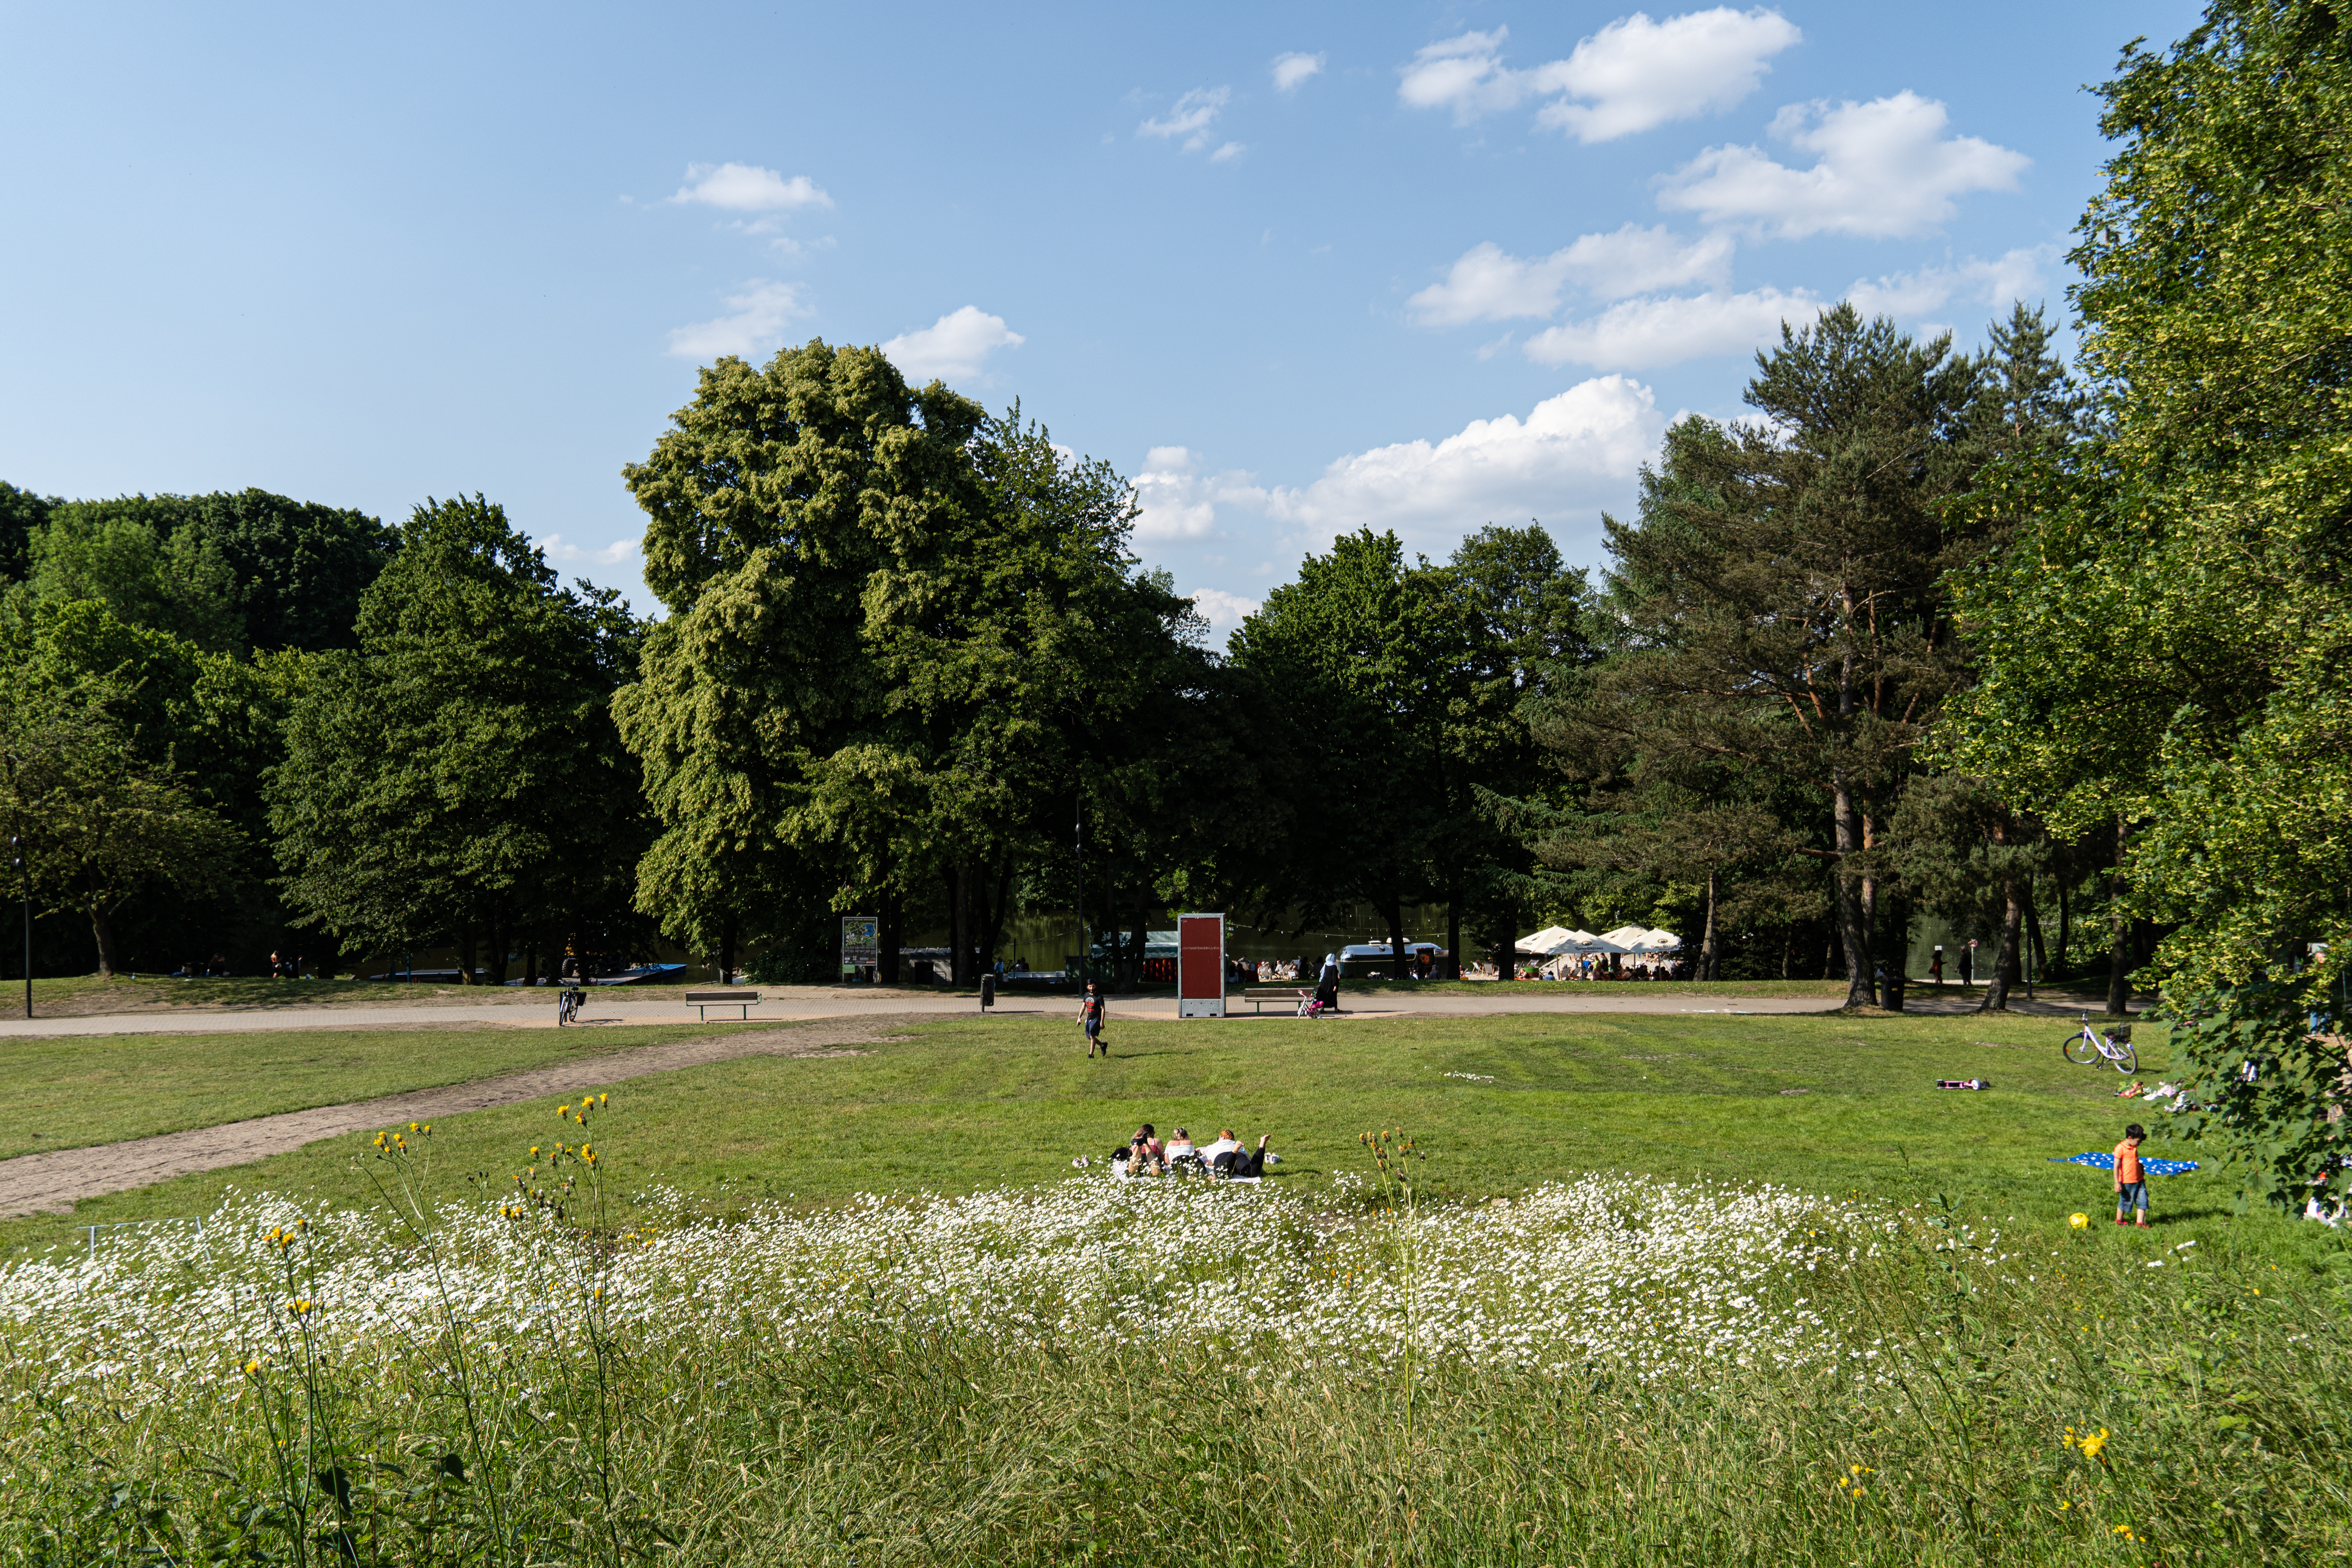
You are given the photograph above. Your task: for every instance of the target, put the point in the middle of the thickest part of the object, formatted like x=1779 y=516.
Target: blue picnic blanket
x=2107 y=1162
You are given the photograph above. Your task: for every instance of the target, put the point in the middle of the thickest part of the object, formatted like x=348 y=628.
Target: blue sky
x=1293 y=269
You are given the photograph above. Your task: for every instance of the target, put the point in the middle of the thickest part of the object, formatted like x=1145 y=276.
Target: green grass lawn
x=1502 y=1103
x=70 y=1093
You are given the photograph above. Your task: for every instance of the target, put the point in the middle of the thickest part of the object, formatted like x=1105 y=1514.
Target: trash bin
x=987 y=989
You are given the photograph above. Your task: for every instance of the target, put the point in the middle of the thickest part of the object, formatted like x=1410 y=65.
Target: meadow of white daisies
x=1610 y=1369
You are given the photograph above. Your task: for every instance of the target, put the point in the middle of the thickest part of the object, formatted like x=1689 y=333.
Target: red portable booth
x=1200 y=966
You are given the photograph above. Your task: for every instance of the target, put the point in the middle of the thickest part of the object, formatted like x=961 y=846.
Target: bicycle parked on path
x=2086 y=1046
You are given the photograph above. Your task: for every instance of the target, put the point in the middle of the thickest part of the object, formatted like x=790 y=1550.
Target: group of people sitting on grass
x=1147 y=1154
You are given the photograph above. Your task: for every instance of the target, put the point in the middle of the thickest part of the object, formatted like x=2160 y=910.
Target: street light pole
x=1085 y=948
x=25 y=885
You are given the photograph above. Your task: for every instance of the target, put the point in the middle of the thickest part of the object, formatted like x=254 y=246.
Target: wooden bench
x=1259 y=995
x=703 y=1001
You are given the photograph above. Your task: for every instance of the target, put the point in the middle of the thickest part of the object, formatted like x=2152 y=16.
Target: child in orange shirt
x=2131 y=1182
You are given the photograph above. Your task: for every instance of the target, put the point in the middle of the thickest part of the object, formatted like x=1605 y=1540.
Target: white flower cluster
x=1620 y=1273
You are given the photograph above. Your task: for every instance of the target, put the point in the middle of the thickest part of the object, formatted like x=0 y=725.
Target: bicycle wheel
x=2080 y=1049
x=2126 y=1057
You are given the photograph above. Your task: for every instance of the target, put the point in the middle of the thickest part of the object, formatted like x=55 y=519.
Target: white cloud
x=1291 y=70
x=1465 y=74
x=1175 y=501
x=747 y=188
x=1660 y=330
x=1635 y=73
x=958 y=344
x=1487 y=284
x=1636 y=260
x=1644 y=333
x=756 y=319
x=1221 y=609
x=1572 y=451
x=1631 y=76
x=558 y=548
x=1883 y=168
x=1228 y=152
x=1190 y=119
x=1909 y=296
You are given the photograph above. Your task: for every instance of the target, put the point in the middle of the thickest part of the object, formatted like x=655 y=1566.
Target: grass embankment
x=88 y=996
x=1828 y=1104
x=73 y=1091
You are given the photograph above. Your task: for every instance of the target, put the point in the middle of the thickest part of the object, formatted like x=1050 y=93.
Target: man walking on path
x=1090 y=1018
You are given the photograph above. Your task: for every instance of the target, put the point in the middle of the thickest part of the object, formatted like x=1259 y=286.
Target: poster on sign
x=1200 y=966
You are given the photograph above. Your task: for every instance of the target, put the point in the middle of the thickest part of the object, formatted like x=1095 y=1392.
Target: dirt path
x=53 y=1183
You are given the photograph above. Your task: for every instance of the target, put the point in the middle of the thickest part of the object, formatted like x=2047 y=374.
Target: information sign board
x=861 y=945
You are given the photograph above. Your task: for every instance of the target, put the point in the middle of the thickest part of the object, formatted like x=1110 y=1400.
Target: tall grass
x=1034 y=1378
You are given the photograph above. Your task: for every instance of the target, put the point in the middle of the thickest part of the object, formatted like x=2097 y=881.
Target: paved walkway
x=787 y=1004
x=53 y=1183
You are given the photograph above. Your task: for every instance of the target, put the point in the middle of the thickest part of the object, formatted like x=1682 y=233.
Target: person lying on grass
x=1227 y=1157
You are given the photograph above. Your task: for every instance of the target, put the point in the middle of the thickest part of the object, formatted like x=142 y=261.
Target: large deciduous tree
x=96 y=824
x=457 y=773
x=906 y=643
x=2164 y=639
x=1405 y=691
x=761 y=718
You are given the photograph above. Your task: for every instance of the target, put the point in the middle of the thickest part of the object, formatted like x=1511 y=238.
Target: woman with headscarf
x=1327 y=986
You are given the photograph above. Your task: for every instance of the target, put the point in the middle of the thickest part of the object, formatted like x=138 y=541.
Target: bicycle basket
x=2120 y=1034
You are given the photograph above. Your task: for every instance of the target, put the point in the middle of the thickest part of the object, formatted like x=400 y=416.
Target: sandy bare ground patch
x=53 y=1183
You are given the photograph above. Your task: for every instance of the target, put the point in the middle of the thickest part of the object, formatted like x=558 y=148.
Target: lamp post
x=1085 y=948
x=25 y=885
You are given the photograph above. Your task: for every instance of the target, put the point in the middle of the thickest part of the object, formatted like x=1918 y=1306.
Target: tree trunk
x=727 y=948
x=1453 y=936
x=1132 y=976
x=2033 y=936
x=101 y=927
x=2066 y=923
x=959 y=879
x=1707 y=956
x=1870 y=905
x=1853 y=926
x=991 y=927
x=466 y=953
x=1788 y=949
x=2004 y=962
x=1393 y=912
x=885 y=932
x=2119 y=963
x=1898 y=942
x=498 y=954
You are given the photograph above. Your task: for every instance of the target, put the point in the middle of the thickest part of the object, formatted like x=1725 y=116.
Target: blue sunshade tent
x=2107 y=1162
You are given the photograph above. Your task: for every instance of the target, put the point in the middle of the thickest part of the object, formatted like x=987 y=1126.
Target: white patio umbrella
x=1546 y=942
x=1627 y=939
x=1664 y=941
x=1585 y=941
